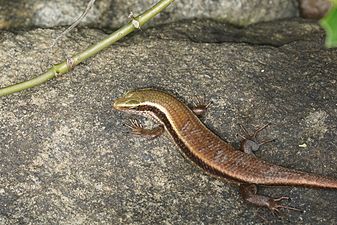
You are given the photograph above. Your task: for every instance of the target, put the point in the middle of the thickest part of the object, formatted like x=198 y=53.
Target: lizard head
x=132 y=100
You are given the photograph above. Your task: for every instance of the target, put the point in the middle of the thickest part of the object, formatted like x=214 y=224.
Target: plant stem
x=67 y=65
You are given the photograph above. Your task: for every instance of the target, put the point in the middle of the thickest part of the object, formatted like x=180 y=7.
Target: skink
x=210 y=152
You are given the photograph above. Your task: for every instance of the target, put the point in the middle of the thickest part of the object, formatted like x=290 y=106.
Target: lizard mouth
x=118 y=104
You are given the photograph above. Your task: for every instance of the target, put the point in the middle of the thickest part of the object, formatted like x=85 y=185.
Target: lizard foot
x=274 y=206
x=138 y=129
x=200 y=105
x=249 y=193
x=250 y=142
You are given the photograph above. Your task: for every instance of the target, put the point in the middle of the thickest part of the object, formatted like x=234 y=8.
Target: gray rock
x=242 y=12
x=44 y=13
x=67 y=158
x=109 y=13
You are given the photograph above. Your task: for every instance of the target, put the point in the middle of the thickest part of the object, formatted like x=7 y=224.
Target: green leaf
x=329 y=23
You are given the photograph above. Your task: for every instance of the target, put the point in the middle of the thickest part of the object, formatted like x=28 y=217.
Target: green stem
x=65 y=66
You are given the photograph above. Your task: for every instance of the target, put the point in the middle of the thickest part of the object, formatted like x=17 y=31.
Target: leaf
x=329 y=23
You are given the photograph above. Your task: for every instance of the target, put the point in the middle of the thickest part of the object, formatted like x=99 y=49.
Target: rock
x=114 y=13
x=67 y=158
x=44 y=13
x=314 y=9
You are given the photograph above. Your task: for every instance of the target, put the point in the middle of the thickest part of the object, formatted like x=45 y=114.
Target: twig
x=77 y=21
x=64 y=67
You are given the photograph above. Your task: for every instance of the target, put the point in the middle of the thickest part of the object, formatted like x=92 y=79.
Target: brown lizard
x=213 y=154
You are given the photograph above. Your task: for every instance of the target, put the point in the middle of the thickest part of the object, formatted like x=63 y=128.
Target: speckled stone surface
x=67 y=158
x=114 y=13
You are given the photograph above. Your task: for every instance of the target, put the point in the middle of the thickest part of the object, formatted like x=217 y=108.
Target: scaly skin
x=210 y=152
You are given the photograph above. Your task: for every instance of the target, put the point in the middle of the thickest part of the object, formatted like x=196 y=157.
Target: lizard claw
x=275 y=207
x=253 y=137
x=135 y=126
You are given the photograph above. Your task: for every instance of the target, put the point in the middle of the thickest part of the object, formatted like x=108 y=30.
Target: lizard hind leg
x=249 y=194
x=250 y=142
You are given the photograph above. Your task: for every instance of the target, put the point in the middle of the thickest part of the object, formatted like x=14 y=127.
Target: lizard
x=214 y=155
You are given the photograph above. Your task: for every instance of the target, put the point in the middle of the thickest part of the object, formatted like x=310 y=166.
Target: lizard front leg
x=138 y=129
x=200 y=106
